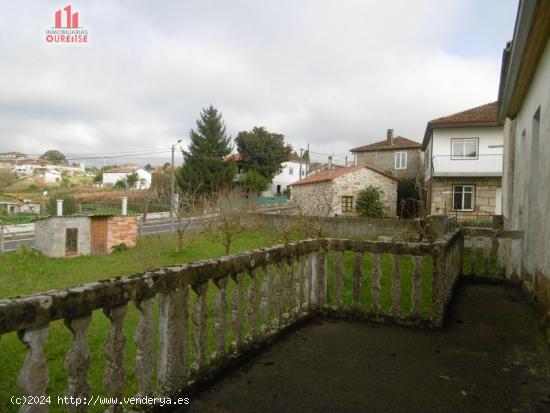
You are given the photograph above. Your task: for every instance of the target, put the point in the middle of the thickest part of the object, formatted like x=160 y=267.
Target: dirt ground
x=491 y=357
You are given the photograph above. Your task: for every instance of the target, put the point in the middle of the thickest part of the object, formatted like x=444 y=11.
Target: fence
x=212 y=312
x=492 y=253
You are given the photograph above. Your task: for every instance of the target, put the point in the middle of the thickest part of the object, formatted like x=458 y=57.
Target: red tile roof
x=325 y=176
x=398 y=142
x=484 y=115
x=481 y=114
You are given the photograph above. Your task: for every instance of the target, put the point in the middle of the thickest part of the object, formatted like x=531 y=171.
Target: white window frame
x=471 y=191
x=463 y=142
x=400 y=161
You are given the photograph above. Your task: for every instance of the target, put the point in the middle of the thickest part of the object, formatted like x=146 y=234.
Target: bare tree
x=234 y=215
x=188 y=206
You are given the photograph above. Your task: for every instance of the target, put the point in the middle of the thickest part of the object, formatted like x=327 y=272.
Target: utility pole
x=172 y=189
x=346 y=161
x=308 y=159
x=301 y=155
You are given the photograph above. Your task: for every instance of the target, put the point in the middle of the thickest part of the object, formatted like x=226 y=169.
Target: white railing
x=483 y=165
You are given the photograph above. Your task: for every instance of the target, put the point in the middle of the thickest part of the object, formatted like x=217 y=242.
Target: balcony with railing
x=482 y=165
x=194 y=323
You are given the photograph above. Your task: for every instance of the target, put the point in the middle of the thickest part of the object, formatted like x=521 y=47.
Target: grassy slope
x=27 y=272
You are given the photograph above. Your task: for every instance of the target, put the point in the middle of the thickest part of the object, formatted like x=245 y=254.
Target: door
x=498 y=202
x=98 y=229
x=71 y=242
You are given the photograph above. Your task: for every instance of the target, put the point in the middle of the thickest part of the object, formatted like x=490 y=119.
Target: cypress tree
x=204 y=167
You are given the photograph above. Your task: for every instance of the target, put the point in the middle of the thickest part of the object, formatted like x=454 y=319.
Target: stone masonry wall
x=325 y=198
x=121 y=229
x=353 y=183
x=49 y=235
x=385 y=161
x=484 y=200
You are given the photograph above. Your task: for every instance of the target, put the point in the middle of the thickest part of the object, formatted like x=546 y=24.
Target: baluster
x=314 y=278
x=289 y=289
x=416 y=292
x=305 y=282
x=237 y=311
x=77 y=362
x=357 y=274
x=173 y=328
x=396 y=286
x=113 y=349
x=338 y=278
x=487 y=254
x=322 y=276
x=277 y=295
x=266 y=301
x=298 y=285
x=220 y=311
x=33 y=377
x=479 y=260
x=253 y=303
x=143 y=339
x=201 y=329
x=376 y=275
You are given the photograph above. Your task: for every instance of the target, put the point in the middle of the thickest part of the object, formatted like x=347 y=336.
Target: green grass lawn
x=25 y=272
x=16 y=219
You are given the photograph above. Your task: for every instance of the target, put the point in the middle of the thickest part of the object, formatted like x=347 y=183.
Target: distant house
x=398 y=156
x=289 y=172
x=464 y=162
x=10 y=207
x=334 y=192
x=112 y=176
x=12 y=156
x=52 y=176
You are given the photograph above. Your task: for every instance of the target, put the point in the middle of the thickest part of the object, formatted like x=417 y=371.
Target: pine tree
x=204 y=167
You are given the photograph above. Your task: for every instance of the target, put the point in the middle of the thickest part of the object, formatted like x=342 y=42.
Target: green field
x=25 y=272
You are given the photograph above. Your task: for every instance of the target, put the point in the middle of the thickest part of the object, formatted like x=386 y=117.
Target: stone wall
x=355 y=182
x=385 y=161
x=121 y=229
x=485 y=194
x=362 y=228
x=49 y=235
x=325 y=198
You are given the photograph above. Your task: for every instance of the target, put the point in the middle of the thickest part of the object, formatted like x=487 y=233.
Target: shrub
x=369 y=204
x=252 y=181
x=120 y=247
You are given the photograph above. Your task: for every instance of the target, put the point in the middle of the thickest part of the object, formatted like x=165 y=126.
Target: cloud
x=334 y=74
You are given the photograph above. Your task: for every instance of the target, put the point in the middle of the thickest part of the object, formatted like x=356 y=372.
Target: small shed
x=79 y=234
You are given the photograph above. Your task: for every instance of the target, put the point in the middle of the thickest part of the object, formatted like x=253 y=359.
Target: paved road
x=148 y=229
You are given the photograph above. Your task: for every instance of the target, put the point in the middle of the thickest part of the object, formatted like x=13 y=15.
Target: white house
x=524 y=108
x=52 y=176
x=112 y=176
x=463 y=163
x=288 y=174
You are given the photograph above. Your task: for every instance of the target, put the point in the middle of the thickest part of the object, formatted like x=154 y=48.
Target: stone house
x=398 y=156
x=79 y=234
x=524 y=110
x=463 y=168
x=334 y=192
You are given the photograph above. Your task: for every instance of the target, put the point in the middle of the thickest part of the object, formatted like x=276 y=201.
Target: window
x=401 y=160
x=290 y=170
x=463 y=197
x=464 y=148
x=347 y=204
x=303 y=172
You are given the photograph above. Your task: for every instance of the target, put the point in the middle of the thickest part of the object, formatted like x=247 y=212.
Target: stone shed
x=334 y=192
x=67 y=236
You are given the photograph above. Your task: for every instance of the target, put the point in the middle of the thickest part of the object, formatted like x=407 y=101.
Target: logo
x=71 y=32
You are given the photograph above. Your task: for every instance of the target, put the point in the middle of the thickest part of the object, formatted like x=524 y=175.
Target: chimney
x=389 y=136
x=59 y=207
x=124 y=205
x=330 y=162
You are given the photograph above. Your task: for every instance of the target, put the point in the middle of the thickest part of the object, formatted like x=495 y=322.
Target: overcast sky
x=334 y=73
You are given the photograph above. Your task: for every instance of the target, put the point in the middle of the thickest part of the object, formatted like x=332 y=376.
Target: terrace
x=309 y=300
